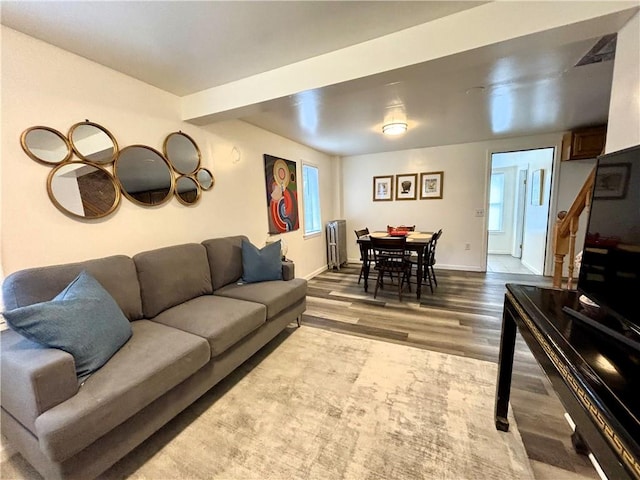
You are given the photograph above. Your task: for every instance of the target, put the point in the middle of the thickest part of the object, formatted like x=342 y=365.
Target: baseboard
x=315 y=273
x=462 y=268
x=533 y=269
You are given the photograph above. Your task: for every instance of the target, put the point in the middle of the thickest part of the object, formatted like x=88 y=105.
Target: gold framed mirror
x=83 y=190
x=144 y=175
x=93 y=143
x=182 y=152
x=188 y=190
x=45 y=145
x=205 y=179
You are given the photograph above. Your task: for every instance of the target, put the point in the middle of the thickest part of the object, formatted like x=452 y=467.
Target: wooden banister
x=564 y=237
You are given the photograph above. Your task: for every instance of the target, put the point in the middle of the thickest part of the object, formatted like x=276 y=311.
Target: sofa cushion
x=83 y=320
x=172 y=275
x=153 y=361
x=222 y=321
x=276 y=295
x=261 y=264
x=117 y=274
x=225 y=259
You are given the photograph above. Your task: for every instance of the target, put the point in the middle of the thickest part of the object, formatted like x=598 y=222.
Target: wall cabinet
x=584 y=143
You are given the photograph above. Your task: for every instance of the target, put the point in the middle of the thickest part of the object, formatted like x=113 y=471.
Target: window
x=311 y=199
x=496 y=202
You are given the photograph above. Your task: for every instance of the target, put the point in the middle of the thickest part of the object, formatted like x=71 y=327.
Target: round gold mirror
x=187 y=190
x=45 y=145
x=93 y=143
x=182 y=152
x=144 y=175
x=205 y=179
x=83 y=190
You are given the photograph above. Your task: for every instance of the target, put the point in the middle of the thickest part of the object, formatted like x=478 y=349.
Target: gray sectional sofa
x=192 y=325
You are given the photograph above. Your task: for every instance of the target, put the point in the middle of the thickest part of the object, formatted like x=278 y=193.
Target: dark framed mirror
x=187 y=190
x=144 y=175
x=93 y=143
x=182 y=152
x=45 y=145
x=83 y=190
x=205 y=179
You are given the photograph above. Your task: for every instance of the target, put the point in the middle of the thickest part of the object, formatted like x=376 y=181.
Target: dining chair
x=431 y=259
x=362 y=233
x=390 y=257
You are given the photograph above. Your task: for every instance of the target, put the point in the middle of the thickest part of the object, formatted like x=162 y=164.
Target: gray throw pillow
x=83 y=320
x=260 y=265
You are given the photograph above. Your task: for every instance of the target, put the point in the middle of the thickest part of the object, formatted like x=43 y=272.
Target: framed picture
x=383 y=188
x=282 y=194
x=431 y=185
x=406 y=186
x=537 y=181
x=612 y=180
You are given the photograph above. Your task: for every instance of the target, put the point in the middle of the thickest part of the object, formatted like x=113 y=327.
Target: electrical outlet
x=479 y=213
x=467 y=246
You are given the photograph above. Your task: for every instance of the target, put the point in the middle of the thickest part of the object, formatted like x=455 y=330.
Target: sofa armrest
x=33 y=378
x=288 y=270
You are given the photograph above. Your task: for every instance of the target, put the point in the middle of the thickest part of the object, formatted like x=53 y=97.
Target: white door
x=521 y=196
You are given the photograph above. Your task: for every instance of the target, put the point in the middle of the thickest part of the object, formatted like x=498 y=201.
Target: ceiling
x=518 y=87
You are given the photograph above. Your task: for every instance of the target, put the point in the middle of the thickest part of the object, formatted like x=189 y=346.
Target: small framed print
x=383 y=188
x=537 y=181
x=406 y=186
x=431 y=185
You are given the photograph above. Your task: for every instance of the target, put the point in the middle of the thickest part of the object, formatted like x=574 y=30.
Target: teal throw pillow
x=260 y=265
x=83 y=320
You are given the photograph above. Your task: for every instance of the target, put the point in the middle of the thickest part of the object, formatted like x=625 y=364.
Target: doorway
x=518 y=214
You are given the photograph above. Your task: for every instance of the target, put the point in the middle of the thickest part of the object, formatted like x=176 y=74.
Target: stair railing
x=564 y=235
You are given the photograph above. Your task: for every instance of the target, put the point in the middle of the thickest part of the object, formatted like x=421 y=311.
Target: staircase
x=564 y=235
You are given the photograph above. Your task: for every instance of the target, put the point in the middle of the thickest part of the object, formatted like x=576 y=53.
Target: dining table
x=416 y=242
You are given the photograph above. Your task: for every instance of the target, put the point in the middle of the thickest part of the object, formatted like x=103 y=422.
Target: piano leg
x=505 y=368
x=579 y=444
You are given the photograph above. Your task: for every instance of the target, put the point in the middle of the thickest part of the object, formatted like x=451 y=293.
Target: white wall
x=466 y=172
x=44 y=85
x=624 y=108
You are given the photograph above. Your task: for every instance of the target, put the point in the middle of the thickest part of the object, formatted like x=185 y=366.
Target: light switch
x=479 y=212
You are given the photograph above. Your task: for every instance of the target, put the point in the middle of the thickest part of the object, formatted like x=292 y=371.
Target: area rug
x=322 y=405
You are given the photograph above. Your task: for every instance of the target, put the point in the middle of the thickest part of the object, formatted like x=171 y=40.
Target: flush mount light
x=394 y=128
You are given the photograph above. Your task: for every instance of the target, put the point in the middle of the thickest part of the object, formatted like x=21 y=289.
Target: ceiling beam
x=484 y=25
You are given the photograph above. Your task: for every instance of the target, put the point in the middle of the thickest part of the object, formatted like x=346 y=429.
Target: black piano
x=596 y=376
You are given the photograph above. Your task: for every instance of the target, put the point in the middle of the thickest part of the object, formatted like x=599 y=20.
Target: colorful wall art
x=282 y=194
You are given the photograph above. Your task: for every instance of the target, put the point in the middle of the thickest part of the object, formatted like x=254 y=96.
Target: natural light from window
x=311 y=199
x=496 y=202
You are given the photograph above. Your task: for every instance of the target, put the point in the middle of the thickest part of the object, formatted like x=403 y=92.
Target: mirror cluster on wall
x=86 y=188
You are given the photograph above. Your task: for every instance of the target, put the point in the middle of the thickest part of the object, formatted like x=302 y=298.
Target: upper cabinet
x=584 y=143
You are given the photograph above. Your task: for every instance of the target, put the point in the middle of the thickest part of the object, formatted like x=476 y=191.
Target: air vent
x=603 y=51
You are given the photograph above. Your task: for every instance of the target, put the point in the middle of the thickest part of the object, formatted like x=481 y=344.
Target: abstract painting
x=282 y=194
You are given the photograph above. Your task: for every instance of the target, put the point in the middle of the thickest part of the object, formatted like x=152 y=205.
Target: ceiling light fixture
x=394 y=128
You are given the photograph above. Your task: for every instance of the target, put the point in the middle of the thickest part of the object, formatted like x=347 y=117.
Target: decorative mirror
x=45 y=145
x=205 y=179
x=187 y=190
x=83 y=190
x=93 y=143
x=144 y=175
x=182 y=152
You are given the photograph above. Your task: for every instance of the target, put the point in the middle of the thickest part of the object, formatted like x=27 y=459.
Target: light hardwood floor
x=462 y=317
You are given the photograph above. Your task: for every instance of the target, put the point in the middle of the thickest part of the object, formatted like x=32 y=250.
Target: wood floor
x=462 y=317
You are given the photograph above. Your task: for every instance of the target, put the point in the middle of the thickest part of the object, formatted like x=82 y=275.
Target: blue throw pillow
x=83 y=320
x=260 y=265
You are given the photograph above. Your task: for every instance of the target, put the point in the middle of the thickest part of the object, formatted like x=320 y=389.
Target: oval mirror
x=187 y=190
x=205 y=178
x=93 y=143
x=182 y=152
x=144 y=175
x=45 y=145
x=83 y=190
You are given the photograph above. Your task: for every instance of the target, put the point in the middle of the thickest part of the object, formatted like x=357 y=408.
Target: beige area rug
x=322 y=405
